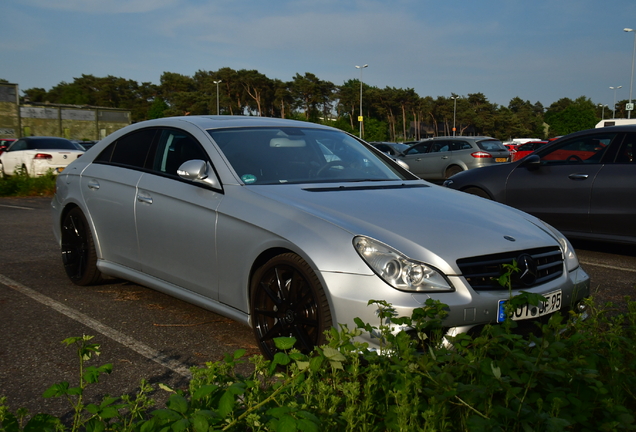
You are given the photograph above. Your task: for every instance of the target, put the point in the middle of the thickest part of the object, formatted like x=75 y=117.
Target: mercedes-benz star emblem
x=529 y=270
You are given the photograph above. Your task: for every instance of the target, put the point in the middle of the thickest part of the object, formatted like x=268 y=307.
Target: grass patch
x=21 y=185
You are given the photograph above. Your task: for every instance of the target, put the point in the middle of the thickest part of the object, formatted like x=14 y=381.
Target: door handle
x=146 y=199
x=578 y=176
x=444 y=157
x=93 y=184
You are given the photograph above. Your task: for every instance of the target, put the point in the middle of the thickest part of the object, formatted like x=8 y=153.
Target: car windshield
x=491 y=145
x=302 y=155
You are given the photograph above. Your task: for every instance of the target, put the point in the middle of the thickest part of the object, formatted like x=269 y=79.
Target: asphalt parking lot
x=143 y=333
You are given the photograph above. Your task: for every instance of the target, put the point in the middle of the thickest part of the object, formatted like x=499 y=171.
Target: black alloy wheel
x=78 y=249
x=287 y=300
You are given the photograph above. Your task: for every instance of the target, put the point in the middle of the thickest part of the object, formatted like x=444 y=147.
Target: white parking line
x=115 y=335
x=608 y=266
x=16 y=207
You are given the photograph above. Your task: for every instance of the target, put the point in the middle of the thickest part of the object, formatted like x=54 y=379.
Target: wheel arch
x=272 y=252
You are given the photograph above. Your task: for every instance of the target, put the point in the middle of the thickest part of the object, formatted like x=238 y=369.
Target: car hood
x=425 y=222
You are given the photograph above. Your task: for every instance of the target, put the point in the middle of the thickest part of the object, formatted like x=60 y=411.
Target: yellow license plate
x=501 y=159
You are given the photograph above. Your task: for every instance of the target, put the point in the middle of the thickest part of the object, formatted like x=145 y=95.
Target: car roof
x=219 y=122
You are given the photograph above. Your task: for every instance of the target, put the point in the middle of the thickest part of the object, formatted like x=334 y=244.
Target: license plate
x=528 y=311
x=501 y=159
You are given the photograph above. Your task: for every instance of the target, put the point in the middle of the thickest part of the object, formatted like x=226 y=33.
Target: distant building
x=67 y=121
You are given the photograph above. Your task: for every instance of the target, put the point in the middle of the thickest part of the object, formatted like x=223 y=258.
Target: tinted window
x=130 y=150
x=174 y=148
x=440 y=146
x=418 y=148
x=461 y=145
x=18 y=145
x=626 y=152
x=583 y=149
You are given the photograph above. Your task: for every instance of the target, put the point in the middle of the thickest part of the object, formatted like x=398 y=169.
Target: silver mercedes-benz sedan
x=292 y=227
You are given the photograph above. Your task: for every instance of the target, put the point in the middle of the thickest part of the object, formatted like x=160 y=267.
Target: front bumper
x=349 y=295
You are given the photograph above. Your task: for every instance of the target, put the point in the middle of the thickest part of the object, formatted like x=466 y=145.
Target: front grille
x=482 y=272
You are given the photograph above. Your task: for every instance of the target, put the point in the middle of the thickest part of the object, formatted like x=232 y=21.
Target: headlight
x=569 y=256
x=398 y=270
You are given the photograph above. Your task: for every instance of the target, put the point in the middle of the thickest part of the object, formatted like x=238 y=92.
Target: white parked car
x=36 y=156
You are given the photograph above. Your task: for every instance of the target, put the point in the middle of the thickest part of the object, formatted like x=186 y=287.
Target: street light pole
x=217 y=95
x=614 y=106
x=360 y=117
x=454 y=111
x=631 y=85
x=602 y=111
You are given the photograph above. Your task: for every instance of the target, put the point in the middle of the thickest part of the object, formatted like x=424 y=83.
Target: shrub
x=574 y=375
x=23 y=185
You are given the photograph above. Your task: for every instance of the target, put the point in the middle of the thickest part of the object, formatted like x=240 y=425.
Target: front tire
x=78 y=249
x=287 y=300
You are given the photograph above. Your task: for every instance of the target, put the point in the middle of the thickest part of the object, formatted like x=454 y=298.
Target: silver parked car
x=442 y=157
x=283 y=225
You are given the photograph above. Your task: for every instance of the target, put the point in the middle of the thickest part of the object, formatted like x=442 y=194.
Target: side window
x=627 y=149
x=461 y=145
x=440 y=146
x=18 y=145
x=174 y=148
x=418 y=149
x=130 y=150
x=585 y=149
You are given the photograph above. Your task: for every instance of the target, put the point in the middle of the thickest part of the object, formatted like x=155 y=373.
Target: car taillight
x=481 y=154
x=42 y=156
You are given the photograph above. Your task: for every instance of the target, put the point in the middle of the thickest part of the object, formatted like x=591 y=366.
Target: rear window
x=491 y=145
x=50 y=144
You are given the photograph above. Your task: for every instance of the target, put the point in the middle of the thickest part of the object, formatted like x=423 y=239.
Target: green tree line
x=390 y=114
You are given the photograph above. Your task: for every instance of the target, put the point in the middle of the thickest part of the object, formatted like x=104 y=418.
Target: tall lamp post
x=631 y=84
x=217 y=95
x=602 y=111
x=360 y=118
x=614 y=106
x=454 y=111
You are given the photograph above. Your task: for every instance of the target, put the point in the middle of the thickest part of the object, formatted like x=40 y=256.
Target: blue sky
x=539 y=50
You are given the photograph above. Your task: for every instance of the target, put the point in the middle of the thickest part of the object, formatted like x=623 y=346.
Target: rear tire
x=477 y=191
x=287 y=300
x=78 y=249
x=451 y=171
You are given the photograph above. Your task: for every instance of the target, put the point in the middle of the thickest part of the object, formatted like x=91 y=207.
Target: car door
x=437 y=160
x=176 y=219
x=613 y=202
x=415 y=158
x=558 y=190
x=109 y=187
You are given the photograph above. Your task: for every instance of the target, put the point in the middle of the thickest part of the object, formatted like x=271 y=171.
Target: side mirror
x=402 y=164
x=199 y=171
x=532 y=162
